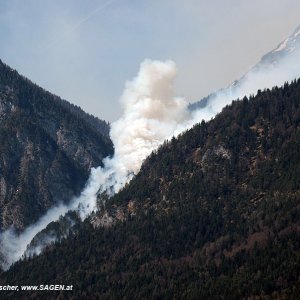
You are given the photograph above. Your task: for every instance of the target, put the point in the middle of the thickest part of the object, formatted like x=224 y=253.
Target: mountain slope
x=47 y=147
x=276 y=67
x=213 y=214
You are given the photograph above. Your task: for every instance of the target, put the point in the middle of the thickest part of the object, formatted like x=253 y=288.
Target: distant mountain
x=279 y=65
x=47 y=147
x=213 y=214
x=284 y=49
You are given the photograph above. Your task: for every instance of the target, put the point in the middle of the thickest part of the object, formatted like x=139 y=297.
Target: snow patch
x=291 y=49
x=297 y=33
x=281 y=46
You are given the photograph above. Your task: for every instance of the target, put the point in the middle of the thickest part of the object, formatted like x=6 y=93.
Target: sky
x=85 y=51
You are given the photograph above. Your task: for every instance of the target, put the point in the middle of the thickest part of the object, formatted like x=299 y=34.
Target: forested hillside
x=47 y=148
x=213 y=214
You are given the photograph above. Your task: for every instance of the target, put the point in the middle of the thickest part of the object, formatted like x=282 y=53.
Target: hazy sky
x=84 y=51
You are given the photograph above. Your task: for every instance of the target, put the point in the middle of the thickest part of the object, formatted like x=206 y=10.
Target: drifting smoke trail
x=13 y=246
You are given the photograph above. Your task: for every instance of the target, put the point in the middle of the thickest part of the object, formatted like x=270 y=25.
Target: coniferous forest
x=48 y=147
x=213 y=214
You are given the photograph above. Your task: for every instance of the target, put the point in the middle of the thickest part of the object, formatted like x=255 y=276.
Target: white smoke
x=13 y=246
x=151 y=115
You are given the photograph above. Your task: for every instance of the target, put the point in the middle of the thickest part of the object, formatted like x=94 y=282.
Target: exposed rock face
x=47 y=147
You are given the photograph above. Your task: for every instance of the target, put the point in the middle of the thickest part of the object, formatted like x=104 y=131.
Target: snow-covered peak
x=276 y=67
x=289 y=44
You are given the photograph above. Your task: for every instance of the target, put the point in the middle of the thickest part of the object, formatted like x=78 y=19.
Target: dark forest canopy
x=213 y=214
x=47 y=148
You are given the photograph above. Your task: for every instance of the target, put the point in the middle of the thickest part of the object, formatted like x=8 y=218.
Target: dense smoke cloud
x=151 y=114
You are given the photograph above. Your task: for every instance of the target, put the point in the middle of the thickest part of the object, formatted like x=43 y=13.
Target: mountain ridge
x=48 y=147
x=282 y=57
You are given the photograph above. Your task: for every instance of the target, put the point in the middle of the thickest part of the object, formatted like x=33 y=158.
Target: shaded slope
x=213 y=214
x=47 y=147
